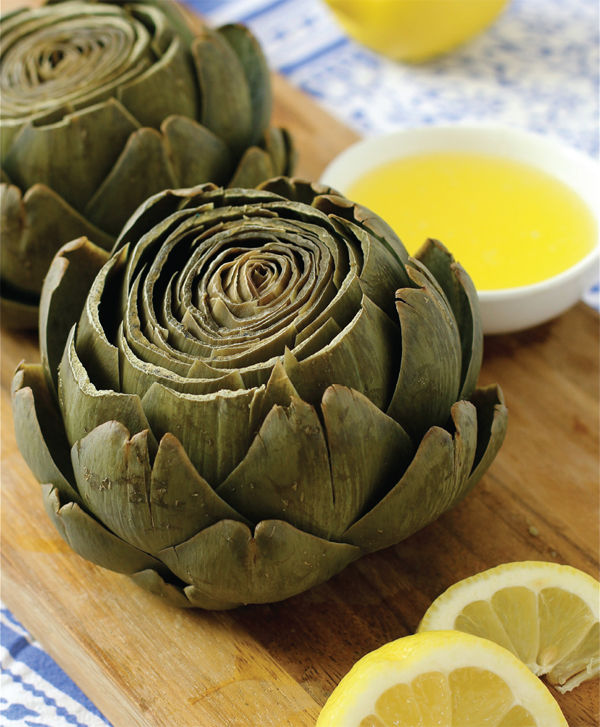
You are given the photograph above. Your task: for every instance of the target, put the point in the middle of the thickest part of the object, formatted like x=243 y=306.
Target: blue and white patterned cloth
x=535 y=68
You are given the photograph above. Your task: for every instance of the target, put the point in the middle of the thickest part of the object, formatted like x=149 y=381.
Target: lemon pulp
x=507 y=223
x=469 y=697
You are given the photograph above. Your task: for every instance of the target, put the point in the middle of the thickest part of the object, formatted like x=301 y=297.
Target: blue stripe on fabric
x=263 y=10
x=291 y=67
x=41 y=663
x=61 y=711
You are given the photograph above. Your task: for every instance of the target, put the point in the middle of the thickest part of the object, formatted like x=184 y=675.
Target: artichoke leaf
x=39 y=431
x=60 y=155
x=33 y=228
x=296 y=189
x=178 y=595
x=196 y=154
x=84 y=406
x=98 y=355
x=167 y=87
x=171 y=594
x=214 y=429
x=462 y=296
x=380 y=271
x=65 y=288
x=367 y=450
x=142 y=170
x=258 y=77
x=492 y=420
x=91 y=540
x=234 y=565
x=156 y=210
x=226 y=104
x=137 y=376
x=430 y=371
x=434 y=481
x=364 y=356
x=423 y=493
x=277 y=143
x=286 y=472
x=254 y=166
x=151 y=507
x=278 y=390
x=331 y=202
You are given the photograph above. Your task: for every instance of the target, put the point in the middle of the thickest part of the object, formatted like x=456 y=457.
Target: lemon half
x=414 y=30
x=546 y=614
x=441 y=679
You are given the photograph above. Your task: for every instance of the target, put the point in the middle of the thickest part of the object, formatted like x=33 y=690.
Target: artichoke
x=256 y=387
x=105 y=104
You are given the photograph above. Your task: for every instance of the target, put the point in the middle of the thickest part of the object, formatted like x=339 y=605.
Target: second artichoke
x=105 y=104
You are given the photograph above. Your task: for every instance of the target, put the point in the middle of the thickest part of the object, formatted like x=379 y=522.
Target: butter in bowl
x=518 y=210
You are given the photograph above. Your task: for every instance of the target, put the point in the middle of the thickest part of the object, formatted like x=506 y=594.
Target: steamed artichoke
x=256 y=388
x=105 y=104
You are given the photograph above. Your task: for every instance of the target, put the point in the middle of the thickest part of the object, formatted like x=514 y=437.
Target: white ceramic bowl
x=512 y=309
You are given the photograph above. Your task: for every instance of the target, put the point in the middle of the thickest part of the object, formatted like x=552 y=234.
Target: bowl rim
x=554 y=146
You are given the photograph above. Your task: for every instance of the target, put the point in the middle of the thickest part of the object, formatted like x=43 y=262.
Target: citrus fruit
x=545 y=613
x=440 y=679
x=414 y=30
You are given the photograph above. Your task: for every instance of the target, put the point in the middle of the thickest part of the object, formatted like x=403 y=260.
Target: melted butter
x=507 y=223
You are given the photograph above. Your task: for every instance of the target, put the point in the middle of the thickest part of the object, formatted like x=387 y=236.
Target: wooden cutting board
x=144 y=663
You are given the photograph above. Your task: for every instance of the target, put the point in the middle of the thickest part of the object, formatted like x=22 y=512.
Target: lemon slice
x=545 y=613
x=440 y=679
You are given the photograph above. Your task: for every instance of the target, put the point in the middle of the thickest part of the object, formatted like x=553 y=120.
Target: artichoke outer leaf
x=492 y=417
x=167 y=87
x=462 y=296
x=33 y=228
x=254 y=166
x=368 y=452
x=464 y=418
x=434 y=481
x=228 y=563
x=285 y=473
x=149 y=507
x=226 y=105
x=91 y=540
x=214 y=429
x=60 y=155
x=429 y=378
x=84 y=406
x=65 y=289
x=364 y=357
x=277 y=143
x=175 y=595
x=279 y=390
x=257 y=72
x=196 y=154
x=40 y=432
x=142 y=170
x=423 y=493
x=151 y=581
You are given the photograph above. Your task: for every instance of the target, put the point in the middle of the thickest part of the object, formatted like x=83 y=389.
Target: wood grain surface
x=144 y=663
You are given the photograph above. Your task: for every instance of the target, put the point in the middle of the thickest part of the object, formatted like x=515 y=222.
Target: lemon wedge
x=440 y=679
x=545 y=613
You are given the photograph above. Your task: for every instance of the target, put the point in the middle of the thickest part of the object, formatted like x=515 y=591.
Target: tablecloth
x=535 y=68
